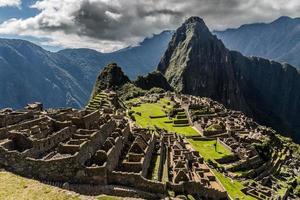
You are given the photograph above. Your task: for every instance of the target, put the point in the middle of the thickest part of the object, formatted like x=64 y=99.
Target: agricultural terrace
x=154 y=114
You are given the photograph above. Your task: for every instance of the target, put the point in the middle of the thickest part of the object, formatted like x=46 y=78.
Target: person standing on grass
x=215 y=145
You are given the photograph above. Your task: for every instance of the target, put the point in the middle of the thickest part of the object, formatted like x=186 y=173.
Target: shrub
x=156 y=90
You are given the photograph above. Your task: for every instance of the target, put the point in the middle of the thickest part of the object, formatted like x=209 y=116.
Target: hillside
x=65 y=79
x=29 y=73
x=197 y=63
x=278 y=40
x=135 y=60
x=154 y=145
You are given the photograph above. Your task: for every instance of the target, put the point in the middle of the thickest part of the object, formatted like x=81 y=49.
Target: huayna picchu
x=152 y=144
x=197 y=63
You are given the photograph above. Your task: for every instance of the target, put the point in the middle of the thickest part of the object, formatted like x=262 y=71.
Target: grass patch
x=156 y=109
x=233 y=187
x=207 y=149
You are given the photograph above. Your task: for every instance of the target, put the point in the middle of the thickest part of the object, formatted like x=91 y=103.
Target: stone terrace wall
x=136 y=181
x=196 y=187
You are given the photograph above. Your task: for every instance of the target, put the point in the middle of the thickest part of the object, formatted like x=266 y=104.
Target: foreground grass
x=207 y=149
x=156 y=109
x=14 y=187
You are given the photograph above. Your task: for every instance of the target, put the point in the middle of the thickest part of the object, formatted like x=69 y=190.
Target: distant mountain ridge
x=65 y=79
x=197 y=63
x=278 y=40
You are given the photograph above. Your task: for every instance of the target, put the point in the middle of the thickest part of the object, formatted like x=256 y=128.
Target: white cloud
x=10 y=3
x=111 y=24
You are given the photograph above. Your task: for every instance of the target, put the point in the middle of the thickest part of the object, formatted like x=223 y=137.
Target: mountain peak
x=196 y=24
x=194 y=19
x=196 y=62
x=111 y=76
x=193 y=37
x=282 y=19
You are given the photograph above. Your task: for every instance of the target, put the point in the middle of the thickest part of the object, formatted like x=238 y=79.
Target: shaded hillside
x=151 y=80
x=29 y=73
x=137 y=60
x=197 y=63
x=278 y=40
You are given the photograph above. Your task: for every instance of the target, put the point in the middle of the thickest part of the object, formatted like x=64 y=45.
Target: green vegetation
x=129 y=91
x=155 y=90
x=233 y=187
x=210 y=149
x=156 y=109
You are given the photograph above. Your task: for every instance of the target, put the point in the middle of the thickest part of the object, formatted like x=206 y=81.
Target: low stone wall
x=136 y=181
x=148 y=156
x=197 y=188
x=224 y=144
x=113 y=155
x=212 y=133
x=227 y=159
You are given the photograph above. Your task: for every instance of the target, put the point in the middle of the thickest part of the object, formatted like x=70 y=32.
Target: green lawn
x=156 y=109
x=208 y=150
x=233 y=187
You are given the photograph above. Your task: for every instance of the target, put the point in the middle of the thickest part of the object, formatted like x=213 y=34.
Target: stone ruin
x=238 y=134
x=94 y=151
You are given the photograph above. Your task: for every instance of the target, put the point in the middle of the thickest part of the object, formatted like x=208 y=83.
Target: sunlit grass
x=156 y=109
x=208 y=150
x=233 y=187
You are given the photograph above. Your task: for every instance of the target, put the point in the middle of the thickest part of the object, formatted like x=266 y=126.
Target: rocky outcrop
x=153 y=79
x=197 y=63
x=111 y=77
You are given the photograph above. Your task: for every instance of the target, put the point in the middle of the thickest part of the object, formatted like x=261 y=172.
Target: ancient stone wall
x=136 y=181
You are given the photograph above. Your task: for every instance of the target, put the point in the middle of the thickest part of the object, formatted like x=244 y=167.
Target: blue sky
x=23 y=12
x=109 y=25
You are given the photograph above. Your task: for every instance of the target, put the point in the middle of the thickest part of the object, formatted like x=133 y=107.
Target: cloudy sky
x=108 y=25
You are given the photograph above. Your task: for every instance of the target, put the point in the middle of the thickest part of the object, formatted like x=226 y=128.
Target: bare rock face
x=198 y=63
